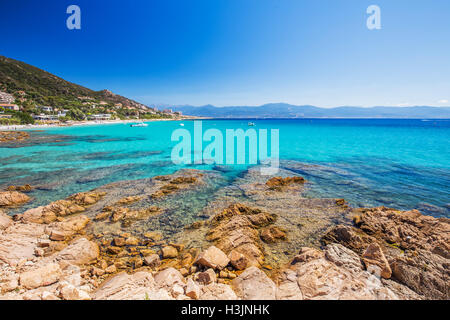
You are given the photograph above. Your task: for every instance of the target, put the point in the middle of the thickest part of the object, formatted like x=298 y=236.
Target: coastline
x=87 y=123
x=98 y=245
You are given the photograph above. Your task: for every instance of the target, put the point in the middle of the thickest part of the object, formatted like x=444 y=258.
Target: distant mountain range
x=283 y=110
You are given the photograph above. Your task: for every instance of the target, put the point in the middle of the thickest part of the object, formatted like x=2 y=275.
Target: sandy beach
x=83 y=123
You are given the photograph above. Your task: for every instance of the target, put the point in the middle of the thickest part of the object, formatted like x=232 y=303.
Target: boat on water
x=182 y=124
x=141 y=124
x=251 y=124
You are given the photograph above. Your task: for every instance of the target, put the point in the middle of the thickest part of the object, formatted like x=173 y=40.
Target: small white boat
x=141 y=124
x=251 y=124
x=182 y=124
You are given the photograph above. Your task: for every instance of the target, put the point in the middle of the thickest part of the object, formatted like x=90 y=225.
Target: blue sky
x=240 y=52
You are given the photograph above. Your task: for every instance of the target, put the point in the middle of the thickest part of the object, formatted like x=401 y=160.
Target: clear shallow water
x=398 y=163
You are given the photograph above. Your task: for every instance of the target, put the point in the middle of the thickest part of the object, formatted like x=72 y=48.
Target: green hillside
x=33 y=87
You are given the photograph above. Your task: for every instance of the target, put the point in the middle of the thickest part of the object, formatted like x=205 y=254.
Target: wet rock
x=213 y=258
x=253 y=284
x=169 y=252
x=373 y=257
x=132 y=241
x=111 y=269
x=13 y=198
x=119 y=242
x=272 y=234
x=40 y=277
x=24 y=188
x=152 y=261
x=279 y=183
x=238 y=260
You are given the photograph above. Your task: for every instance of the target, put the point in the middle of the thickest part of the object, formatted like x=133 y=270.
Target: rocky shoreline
x=259 y=239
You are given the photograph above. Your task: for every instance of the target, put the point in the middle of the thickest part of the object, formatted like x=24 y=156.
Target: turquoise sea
x=403 y=164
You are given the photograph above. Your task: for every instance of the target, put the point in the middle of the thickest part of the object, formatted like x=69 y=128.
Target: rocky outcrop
x=334 y=274
x=406 y=246
x=213 y=258
x=5 y=220
x=253 y=284
x=40 y=277
x=13 y=198
x=81 y=251
x=13 y=136
x=236 y=229
x=24 y=188
x=61 y=208
x=280 y=183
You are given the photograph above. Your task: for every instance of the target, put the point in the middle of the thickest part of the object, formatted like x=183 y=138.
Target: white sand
x=78 y=123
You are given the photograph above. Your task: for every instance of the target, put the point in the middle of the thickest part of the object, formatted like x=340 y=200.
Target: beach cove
x=111 y=194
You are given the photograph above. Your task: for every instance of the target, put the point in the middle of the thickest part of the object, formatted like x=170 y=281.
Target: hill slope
x=31 y=85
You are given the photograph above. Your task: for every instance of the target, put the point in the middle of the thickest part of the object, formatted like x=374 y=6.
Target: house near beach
x=46 y=108
x=45 y=117
x=105 y=116
x=8 y=106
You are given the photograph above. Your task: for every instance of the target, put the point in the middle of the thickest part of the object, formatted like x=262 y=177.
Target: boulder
x=374 y=258
x=238 y=260
x=253 y=284
x=169 y=252
x=217 y=291
x=138 y=286
x=168 y=278
x=152 y=261
x=13 y=198
x=206 y=277
x=42 y=276
x=272 y=234
x=81 y=251
x=192 y=289
x=70 y=292
x=213 y=257
x=5 y=220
